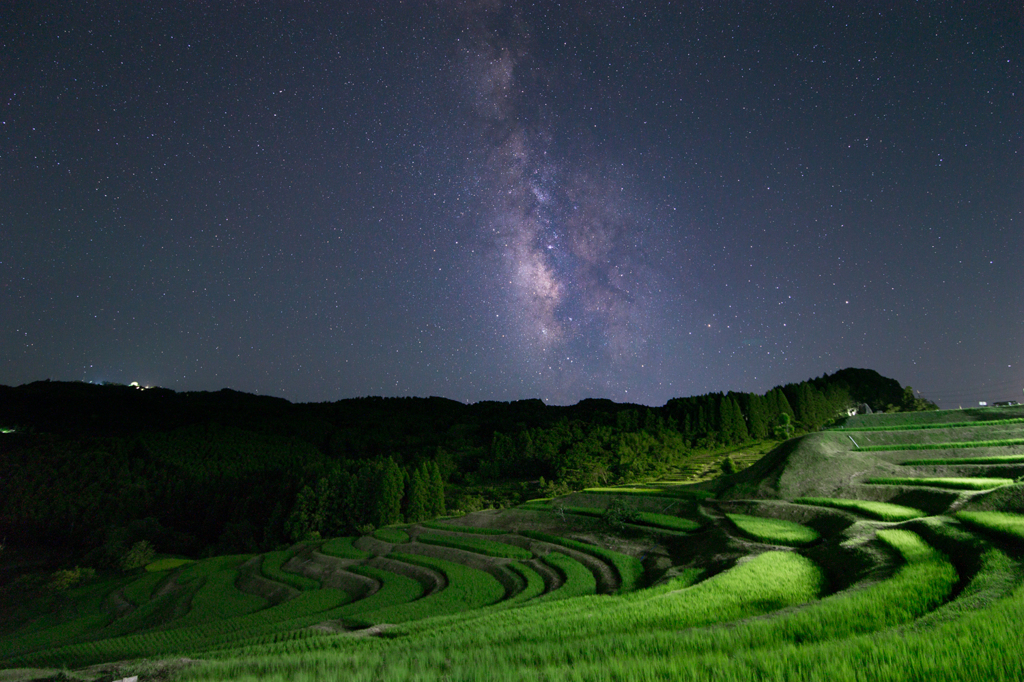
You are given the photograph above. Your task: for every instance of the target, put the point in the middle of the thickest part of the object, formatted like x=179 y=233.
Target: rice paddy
x=520 y=599
x=883 y=511
x=774 y=531
x=955 y=483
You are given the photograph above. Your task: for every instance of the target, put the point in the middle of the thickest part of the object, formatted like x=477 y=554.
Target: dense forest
x=102 y=470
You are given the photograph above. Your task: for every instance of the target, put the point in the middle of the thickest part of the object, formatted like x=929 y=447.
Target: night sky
x=500 y=200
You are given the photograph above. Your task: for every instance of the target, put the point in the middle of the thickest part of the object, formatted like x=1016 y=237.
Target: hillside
x=887 y=548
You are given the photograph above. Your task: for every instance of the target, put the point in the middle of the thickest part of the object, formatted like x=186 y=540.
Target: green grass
x=468 y=588
x=218 y=598
x=579 y=581
x=670 y=634
x=654 y=492
x=344 y=549
x=665 y=521
x=437 y=525
x=392 y=535
x=271 y=568
x=167 y=564
x=1003 y=524
x=478 y=545
x=534 y=582
x=139 y=591
x=955 y=483
x=629 y=568
x=638 y=517
x=998 y=459
x=959 y=445
x=883 y=511
x=774 y=531
x=579 y=638
x=939 y=425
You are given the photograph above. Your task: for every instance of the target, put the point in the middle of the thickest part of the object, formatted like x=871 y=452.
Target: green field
x=960 y=445
x=886 y=592
x=955 y=483
x=344 y=549
x=774 y=531
x=479 y=545
x=1001 y=523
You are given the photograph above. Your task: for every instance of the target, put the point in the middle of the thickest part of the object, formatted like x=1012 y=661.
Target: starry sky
x=501 y=199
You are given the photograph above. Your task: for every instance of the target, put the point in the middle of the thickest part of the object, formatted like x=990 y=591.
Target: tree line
x=98 y=469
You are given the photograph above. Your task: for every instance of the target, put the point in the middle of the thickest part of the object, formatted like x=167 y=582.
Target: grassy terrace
x=1002 y=442
x=937 y=425
x=344 y=549
x=1004 y=524
x=467 y=589
x=271 y=568
x=998 y=459
x=954 y=483
x=774 y=531
x=394 y=535
x=883 y=511
x=438 y=525
x=629 y=568
x=770 y=615
x=577 y=578
x=478 y=545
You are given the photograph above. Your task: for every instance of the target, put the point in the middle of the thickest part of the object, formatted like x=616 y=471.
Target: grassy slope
x=670 y=631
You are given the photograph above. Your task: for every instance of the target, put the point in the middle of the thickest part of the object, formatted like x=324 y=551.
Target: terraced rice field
x=871 y=586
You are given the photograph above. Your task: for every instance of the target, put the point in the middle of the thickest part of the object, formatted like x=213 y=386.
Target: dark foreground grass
x=774 y=531
x=954 y=483
x=883 y=511
x=393 y=535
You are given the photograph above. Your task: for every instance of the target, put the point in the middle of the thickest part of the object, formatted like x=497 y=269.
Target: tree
x=416 y=508
x=435 y=499
x=785 y=427
x=390 y=489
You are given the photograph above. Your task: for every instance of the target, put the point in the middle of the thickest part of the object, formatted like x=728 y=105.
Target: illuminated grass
x=579 y=581
x=478 y=545
x=1002 y=442
x=437 y=525
x=654 y=492
x=998 y=459
x=167 y=564
x=955 y=483
x=534 y=582
x=774 y=531
x=468 y=588
x=344 y=549
x=629 y=568
x=665 y=521
x=270 y=567
x=883 y=511
x=392 y=535
x=1001 y=523
x=941 y=425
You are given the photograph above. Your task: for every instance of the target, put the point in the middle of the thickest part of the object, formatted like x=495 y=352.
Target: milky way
x=577 y=283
